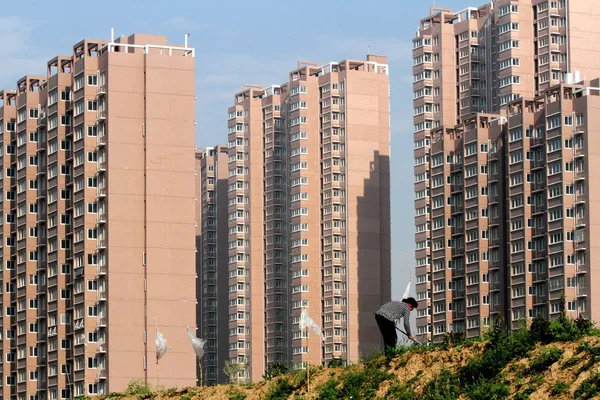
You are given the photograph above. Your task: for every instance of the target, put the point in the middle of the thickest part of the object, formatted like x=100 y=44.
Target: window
x=92 y=130
x=554 y=122
x=92 y=80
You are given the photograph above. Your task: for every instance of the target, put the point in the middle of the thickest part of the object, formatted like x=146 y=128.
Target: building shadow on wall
x=374 y=252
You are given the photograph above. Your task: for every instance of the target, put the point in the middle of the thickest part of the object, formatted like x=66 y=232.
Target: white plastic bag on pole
x=197 y=343
x=307 y=323
x=407 y=290
x=161 y=345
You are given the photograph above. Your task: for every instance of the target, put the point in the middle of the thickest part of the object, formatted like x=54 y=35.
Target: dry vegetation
x=550 y=360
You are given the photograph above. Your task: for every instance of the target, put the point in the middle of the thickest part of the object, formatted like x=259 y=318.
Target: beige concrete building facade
x=308 y=217
x=484 y=132
x=98 y=220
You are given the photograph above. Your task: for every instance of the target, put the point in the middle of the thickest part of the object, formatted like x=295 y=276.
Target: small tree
x=274 y=370
x=232 y=369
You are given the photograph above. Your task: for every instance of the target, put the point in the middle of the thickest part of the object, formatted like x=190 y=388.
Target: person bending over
x=389 y=315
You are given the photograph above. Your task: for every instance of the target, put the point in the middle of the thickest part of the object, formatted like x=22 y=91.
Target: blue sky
x=241 y=42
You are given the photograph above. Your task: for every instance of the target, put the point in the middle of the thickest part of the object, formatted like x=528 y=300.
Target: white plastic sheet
x=307 y=323
x=197 y=343
x=82 y=339
x=407 y=290
x=161 y=345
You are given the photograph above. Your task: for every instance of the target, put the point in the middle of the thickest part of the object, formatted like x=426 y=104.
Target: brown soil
x=421 y=367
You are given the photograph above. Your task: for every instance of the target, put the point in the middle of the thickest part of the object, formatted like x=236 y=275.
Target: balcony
x=102 y=320
x=101 y=373
x=101 y=270
x=101 y=348
x=101 y=294
x=101 y=218
x=102 y=165
x=101 y=191
x=102 y=243
x=79 y=324
x=52 y=331
x=42 y=120
x=101 y=90
x=101 y=116
x=101 y=140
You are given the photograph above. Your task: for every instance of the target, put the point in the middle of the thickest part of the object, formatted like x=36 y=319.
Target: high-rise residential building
x=496 y=101
x=98 y=220
x=307 y=220
x=212 y=165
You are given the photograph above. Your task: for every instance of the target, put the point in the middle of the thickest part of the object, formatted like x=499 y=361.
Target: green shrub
x=235 y=394
x=524 y=395
x=583 y=346
x=358 y=382
x=584 y=325
x=328 y=391
x=588 y=388
x=445 y=386
x=559 y=388
x=540 y=329
x=503 y=348
x=563 y=329
x=398 y=391
x=280 y=389
x=453 y=339
x=335 y=363
x=274 y=370
x=545 y=359
x=137 y=387
x=594 y=356
x=488 y=390
x=570 y=362
x=362 y=383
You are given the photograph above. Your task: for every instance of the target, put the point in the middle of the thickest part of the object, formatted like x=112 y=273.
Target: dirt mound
x=509 y=369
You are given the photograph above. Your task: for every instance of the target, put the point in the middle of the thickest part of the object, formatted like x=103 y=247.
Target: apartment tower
x=308 y=216
x=98 y=220
x=484 y=79
x=212 y=165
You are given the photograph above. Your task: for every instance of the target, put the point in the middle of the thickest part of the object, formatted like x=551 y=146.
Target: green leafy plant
x=452 y=339
x=584 y=325
x=235 y=394
x=137 y=387
x=329 y=390
x=540 y=329
x=280 y=389
x=545 y=359
x=445 y=386
x=570 y=362
x=488 y=390
x=588 y=388
x=559 y=387
x=362 y=382
x=274 y=370
x=335 y=363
